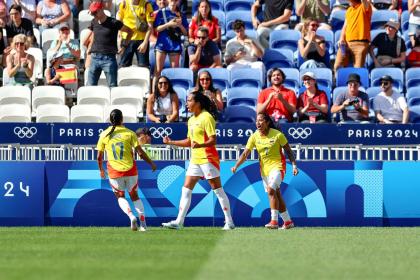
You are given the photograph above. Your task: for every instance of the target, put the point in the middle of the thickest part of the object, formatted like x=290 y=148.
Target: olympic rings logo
x=160 y=132
x=25 y=132
x=300 y=132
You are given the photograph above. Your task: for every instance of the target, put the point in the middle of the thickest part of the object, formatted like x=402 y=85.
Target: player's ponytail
x=116 y=118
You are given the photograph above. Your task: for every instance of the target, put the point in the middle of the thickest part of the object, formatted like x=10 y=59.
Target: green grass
x=209 y=253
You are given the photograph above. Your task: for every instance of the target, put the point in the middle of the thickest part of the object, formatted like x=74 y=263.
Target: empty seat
x=15 y=113
x=246 y=77
x=337 y=18
x=38 y=72
x=284 y=39
x=53 y=113
x=413 y=92
x=415 y=114
x=134 y=76
x=97 y=95
x=128 y=95
x=239 y=113
x=129 y=113
x=15 y=95
x=412 y=77
x=245 y=96
x=238 y=5
x=87 y=113
x=380 y=17
x=42 y=95
x=278 y=58
x=182 y=77
x=182 y=97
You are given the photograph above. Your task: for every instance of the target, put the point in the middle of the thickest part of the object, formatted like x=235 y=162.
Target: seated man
x=391 y=47
x=353 y=103
x=205 y=54
x=313 y=9
x=389 y=105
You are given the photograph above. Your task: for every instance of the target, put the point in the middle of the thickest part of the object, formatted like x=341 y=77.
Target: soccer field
x=209 y=253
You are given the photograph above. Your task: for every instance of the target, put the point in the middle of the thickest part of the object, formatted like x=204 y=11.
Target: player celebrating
x=119 y=142
x=204 y=158
x=269 y=143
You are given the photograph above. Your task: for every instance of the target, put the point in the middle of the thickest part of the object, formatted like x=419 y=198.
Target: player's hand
x=103 y=174
x=153 y=166
x=233 y=169
x=195 y=145
x=295 y=170
x=166 y=140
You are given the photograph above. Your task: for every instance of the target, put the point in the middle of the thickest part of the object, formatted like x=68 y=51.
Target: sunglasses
x=202 y=37
x=385 y=83
x=163 y=83
x=314 y=25
x=20 y=43
x=204 y=79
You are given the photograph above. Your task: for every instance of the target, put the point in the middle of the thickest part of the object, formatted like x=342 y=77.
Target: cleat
x=172 y=225
x=272 y=225
x=288 y=225
x=134 y=224
x=143 y=226
x=228 y=226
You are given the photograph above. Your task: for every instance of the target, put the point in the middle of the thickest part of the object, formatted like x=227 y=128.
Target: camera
x=354 y=102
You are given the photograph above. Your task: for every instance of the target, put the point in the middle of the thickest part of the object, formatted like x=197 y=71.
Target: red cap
x=95 y=6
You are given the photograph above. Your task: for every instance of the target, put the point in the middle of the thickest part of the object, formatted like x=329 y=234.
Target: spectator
x=204 y=18
x=391 y=47
x=171 y=26
x=28 y=8
x=243 y=51
x=19 y=25
x=157 y=6
x=204 y=84
x=138 y=16
x=312 y=49
x=414 y=20
x=277 y=101
x=353 y=104
x=384 y=4
x=389 y=105
x=3 y=14
x=317 y=10
x=413 y=58
x=276 y=16
x=355 y=35
x=104 y=45
x=51 y=75
x=20 y=64
x=163 y=104
x=312 y=104
x=205 y=53
x=69 y=48
x=50 y=13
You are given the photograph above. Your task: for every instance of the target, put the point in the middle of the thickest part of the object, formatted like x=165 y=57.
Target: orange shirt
x=358 y=22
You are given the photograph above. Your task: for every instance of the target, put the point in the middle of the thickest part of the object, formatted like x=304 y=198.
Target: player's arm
x=179 y=143
x=291 y=157
x=100 y=160
x=145 y=157
x=210 y=142
x=241 y=160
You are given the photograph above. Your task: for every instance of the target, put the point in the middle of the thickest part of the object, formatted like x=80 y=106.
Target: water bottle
x=343 y=49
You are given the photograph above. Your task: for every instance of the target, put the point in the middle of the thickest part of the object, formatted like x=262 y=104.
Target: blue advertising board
x=227 y=133
x=22 y=193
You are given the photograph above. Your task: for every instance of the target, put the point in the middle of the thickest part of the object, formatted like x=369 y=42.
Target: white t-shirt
x=233 y=46
x=390 y=107
x=415 y=15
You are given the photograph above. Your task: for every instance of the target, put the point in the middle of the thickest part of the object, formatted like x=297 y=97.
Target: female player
x=269 y=143
x=119 y=142
x=204 y=158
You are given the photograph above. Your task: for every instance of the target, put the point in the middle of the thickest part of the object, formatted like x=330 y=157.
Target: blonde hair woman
x=20 y=64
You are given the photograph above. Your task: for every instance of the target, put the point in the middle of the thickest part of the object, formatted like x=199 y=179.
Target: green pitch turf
x=209 y=253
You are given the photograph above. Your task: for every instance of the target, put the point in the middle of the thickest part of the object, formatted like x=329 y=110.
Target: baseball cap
x=353 y=78
x=64 y=25
x=392 y=23
x=310 y=75
x=387 y=78
x=95 y=6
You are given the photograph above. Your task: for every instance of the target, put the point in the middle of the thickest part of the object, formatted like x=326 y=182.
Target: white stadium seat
x=15 y=113
x=129 y=113
x=87 y=113
x=128 y=96
x=15 y=95
x=39 y=64
x=134 y=76
x=53 y=113
x=96 y=95
x=47 y=95
x=102 y=79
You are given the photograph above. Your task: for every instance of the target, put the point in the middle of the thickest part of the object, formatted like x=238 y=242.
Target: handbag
x=141 y=25
x=173 y=33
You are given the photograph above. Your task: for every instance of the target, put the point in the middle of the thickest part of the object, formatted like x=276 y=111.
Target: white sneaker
x=143 y=226
x=172 y=225
x=134 y=225
x=229 y=226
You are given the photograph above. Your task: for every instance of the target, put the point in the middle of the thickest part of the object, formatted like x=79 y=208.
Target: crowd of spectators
x=162 y=30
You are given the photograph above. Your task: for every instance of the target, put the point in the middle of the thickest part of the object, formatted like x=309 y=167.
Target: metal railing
x=17 y=152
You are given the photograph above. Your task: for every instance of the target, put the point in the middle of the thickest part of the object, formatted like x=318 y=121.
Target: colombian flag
x=68 y=75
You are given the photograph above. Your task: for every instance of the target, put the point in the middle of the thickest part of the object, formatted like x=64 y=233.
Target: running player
x=269 y=143
x=118 y=142
x=204 y=158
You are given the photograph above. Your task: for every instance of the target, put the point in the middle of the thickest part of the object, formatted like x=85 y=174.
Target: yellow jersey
x=269 y=148
x=200 y=128
x=144 y=12
x=119 y=149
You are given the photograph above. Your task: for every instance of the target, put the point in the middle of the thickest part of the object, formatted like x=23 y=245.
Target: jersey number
x=114 y=150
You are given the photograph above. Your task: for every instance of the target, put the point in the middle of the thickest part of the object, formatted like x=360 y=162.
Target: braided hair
x=116 y=118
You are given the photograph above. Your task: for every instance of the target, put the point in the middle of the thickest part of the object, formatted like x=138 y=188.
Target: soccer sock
x=140 y=209
x=285 y=216
x=184 y=205
x=224 y=203
x=123 y=203
x=275 y=215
